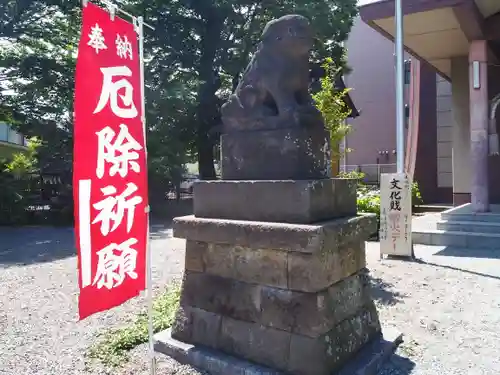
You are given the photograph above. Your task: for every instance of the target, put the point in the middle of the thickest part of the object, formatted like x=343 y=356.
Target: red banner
x=109 y=170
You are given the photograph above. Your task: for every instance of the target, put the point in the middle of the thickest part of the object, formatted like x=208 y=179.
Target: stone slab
x=308 y=314
x=194 y=257
x=302 y=238
x=197 y=326
x=306 y=272
x=312 y=273
x=276 y=348
x=330 y=352
x=212 y=361
x=292 y=201
x=263 y=266
x=264 y=345
x=295 y=153
x=368 y=361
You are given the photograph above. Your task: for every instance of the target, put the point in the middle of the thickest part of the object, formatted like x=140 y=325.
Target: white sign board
x=395 y=215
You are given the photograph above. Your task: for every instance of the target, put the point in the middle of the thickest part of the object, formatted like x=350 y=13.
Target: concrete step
x=469 y=226
x=470 y=240
x=486 y=217
x=425 y=208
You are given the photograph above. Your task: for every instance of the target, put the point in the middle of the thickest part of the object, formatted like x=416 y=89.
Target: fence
x=36 y=199
x=372 y=172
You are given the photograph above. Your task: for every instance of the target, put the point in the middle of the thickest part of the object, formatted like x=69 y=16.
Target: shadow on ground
x=384 y=292
x=463 y=252
x=159 y=232
x=470 y=272
x=398 y=365
x=31 y=245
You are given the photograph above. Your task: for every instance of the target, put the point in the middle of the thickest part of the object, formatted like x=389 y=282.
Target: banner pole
x=400 y=118
x=149 y=280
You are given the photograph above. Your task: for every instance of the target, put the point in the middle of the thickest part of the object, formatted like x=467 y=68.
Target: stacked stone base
x=294 y=298
x=285 y=201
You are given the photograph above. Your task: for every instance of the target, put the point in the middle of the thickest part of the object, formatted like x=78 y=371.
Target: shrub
x=368 y=200
x=15 y=184
x=354 y=175
x=368 y=197
x=416 y=197
x=330 y=102
x=114 y=345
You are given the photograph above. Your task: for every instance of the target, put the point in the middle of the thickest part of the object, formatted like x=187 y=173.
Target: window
x=407 y=72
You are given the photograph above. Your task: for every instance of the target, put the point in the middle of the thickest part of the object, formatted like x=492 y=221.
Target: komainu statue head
x=274 y=89
x=289 y=34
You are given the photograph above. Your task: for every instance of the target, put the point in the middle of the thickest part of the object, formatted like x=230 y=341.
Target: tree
x=37 y=64
x=24 y=163
x=208 y=43
x=37 y=74
x=194 y=58
x=330 y=102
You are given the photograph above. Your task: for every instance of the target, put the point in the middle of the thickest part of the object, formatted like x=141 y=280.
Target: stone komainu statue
x=274 y=89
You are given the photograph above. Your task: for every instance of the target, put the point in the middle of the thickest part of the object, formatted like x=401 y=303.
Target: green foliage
x=12 y=193
x=16 y=182
x=368 y=196
x=37 y=68
x=112 y=348
x=416 y=197
x=359 y=176
x=368 y=200
x=194 y=56
x=37 y=61
x=332 y=106
x=201 y=49
x=24 y=163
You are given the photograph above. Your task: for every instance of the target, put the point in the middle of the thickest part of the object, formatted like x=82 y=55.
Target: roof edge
x=386 y=8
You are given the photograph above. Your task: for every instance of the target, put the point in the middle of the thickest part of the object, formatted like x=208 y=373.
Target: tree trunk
x=335 y=160
x=208 y=110
x=177 y=191
x=205 y=157
x=335 y=167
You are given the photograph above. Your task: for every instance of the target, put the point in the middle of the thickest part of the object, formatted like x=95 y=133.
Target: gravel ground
x=447 y=305
x=39 y=331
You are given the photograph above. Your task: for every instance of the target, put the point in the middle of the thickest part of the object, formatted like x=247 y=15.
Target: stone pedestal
x=291 y=297
x=275 y=279
x=294 y=153
x=289 y=201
